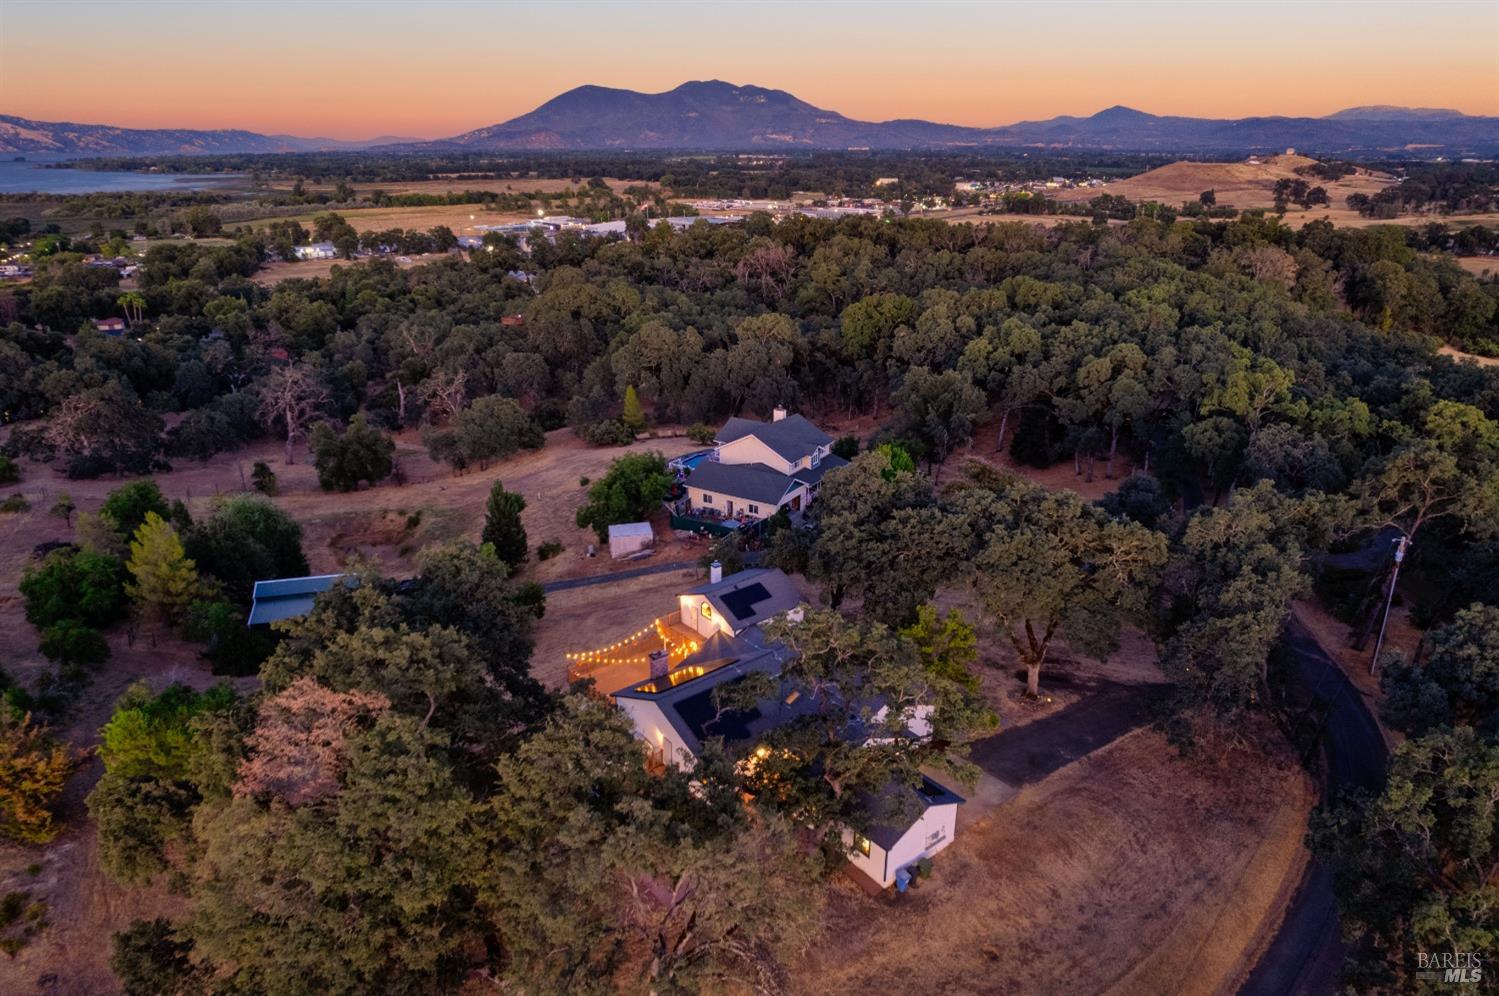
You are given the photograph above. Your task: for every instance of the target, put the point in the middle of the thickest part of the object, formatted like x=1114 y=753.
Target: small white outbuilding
x=626 y=538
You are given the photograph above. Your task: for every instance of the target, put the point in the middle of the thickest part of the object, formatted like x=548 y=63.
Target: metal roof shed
x=287 y=598
x=626 y=538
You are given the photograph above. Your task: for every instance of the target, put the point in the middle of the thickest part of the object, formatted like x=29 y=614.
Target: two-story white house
x=758 y=468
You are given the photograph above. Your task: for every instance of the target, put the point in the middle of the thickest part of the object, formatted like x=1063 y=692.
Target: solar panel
x=742 y=601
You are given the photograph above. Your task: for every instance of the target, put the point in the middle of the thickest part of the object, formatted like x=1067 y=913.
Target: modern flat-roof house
x=758 y=468
x=110 y=326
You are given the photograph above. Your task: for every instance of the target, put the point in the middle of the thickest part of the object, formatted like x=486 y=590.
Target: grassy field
x=461 y=218
x=1130 y=871
x=271 y=274
x=457 y=182
x=1242 y=185
x=1481 y=266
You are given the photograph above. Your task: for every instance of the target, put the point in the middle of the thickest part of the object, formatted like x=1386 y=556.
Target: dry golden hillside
x=1242 y=185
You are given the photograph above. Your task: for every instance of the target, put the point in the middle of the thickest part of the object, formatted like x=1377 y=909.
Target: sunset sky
x=358 y=69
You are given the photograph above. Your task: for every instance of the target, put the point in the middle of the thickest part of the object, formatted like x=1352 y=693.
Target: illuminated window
x=707 y=611
x=863 y=844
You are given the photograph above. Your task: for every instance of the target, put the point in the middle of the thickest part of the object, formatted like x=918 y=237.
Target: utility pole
x=1400 y=547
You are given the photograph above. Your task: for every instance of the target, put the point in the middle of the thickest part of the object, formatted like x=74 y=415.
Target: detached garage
x=626 y=538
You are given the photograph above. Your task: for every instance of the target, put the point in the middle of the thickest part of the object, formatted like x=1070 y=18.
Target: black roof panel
x=742 y=601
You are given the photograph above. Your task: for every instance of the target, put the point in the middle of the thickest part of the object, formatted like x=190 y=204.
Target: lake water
x=25 y=177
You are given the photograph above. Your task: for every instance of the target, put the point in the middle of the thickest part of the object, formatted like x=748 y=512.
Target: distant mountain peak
x=1119 y=113
x=1388 y=112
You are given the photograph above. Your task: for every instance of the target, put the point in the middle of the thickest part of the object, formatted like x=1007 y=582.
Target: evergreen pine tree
x=165 y=580
x=502 y=525
x=633 y=415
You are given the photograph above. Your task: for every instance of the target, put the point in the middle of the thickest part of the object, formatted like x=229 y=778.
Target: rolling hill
x=68 y=138
x=714 y=115
x=1243 y=185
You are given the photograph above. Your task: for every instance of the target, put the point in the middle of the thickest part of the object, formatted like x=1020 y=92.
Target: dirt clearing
x=1131 y=871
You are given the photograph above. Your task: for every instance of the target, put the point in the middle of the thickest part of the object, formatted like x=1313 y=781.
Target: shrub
x=14 y=503
x=86 y=467
x=263 y=479
x=491 y=428
x=244 y=540
x=33 y=769
x=846 y=447
x=79 y=584
x=128 y=506
x=633 y=487
x=344 y=461
x=702 y=433
x=610 y=432
x=70 y=642
x=548 y=550
x=203 y=433
x=151 y=959
x=21 y=919
x=9 y=472
x=231 y=647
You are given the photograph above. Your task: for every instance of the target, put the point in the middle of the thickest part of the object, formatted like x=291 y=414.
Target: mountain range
x=714 y=115
x=67 y=138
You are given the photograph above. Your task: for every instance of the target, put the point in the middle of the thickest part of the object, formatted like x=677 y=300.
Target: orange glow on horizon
x=357 y=70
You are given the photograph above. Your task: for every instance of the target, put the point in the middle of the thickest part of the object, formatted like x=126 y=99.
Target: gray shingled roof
x=751 y=481
x=792 y=438
x=897 y=809
x=812 y=476
x=751 y=596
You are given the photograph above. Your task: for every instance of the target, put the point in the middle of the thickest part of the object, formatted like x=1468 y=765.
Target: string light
x=606 y=654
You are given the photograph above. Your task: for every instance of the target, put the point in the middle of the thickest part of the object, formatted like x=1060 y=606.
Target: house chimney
x=659 y=666
x=778 y=414
x=715 y=572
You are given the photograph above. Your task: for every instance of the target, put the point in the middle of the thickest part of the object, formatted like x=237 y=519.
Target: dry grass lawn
x=1131 y=871
x=272 y=274
x=1242 y=185
x=458 y=183
x=1480 y=266
x=461 y=218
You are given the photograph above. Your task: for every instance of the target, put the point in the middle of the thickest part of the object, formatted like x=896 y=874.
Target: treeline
x=1447 y=188
x=768 y=175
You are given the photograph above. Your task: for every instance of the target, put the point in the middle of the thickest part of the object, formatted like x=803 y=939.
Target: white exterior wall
x=748 y=449
x=652 y=727
x=928 y=835
x=693 y=617
x=720 y=501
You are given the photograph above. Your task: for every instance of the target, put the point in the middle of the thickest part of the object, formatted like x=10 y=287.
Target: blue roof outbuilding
x=287 y=598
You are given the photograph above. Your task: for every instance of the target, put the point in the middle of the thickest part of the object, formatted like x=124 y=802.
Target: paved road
x=637 y=572
x=1307 y=951
x=1029 y=753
